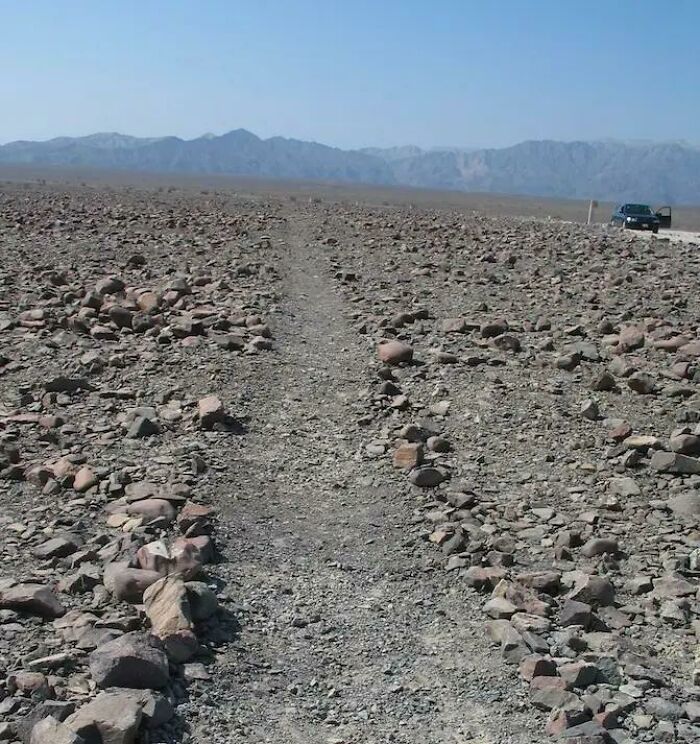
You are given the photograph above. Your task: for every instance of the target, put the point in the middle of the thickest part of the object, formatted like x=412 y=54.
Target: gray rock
x=51 y=731
x=133 y=660
x=426 y=477
x=672 y=462
x=598 y=546
x=203 y=601
x=34 y=599
x=111 y=718
x=686 y=504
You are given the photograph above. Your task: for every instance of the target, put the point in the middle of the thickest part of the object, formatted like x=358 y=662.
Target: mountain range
x=667 y=173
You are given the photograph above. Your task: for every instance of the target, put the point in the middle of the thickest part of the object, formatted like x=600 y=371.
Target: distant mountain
x=616 y=171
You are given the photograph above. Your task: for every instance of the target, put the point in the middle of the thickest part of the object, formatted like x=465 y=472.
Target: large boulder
x=167 y=606
x=111 y=718
x=51 y=731
x=132 y=660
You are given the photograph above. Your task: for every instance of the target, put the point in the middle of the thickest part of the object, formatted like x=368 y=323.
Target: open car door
x=664 y=215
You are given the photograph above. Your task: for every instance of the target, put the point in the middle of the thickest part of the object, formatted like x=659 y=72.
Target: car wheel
x=655 y=230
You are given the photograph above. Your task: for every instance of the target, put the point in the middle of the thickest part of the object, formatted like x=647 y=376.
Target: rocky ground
x=280 y=470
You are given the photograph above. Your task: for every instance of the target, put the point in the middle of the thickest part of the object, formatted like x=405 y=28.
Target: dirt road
x=346 y=637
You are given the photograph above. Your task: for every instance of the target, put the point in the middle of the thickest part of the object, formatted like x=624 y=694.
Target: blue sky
x=353 y=72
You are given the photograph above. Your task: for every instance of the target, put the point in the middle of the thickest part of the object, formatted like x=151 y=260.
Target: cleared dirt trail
x=344 y=636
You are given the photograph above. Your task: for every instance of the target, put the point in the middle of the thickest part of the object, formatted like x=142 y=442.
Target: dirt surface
x=344 y=639
x=435 y=474
x=495 y=205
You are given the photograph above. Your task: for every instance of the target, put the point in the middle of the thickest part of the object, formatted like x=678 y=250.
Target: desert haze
x=662 y=173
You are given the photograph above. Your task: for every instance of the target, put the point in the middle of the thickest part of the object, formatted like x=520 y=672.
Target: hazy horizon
x=398 y=145
x=445 y=74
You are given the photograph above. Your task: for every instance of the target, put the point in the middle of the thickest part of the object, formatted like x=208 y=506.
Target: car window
x=639 y=209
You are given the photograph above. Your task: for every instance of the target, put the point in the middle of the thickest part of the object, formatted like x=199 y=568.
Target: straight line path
x=346 y=637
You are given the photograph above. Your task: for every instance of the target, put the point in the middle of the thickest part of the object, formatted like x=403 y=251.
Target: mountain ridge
x=607 y=170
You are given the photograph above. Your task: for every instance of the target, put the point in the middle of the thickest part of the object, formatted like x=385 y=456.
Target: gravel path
x=343 y=638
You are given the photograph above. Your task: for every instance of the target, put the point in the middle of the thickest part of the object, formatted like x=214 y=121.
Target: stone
x=599 y=545
x=154 y=557
x=630 y=338
x=673 y=586
x=506 y=342
x=590 y=410
x=51 y=731
x=135 y=660
x=57 y=709
x=672 y=462
x=84 y=479
x=151 y=509
x=550 y=697
x=68 y=385
x=395 y=352
x=141 y=427
x=692 y=711
x=569 y=362
x=167 y=606
x=596 y=591
x=536 y=666
x=494 y=328
x=203 y=601
x=685 y=444
x=120 y=316
x=686 y=504
x=576 y=613
x=603 y=382
x=578 y=674
x=500 y=608
x=408 y=455
x=156 y=709
x=210 y=411
x=624 y=487
x=34 y=599
x=438 y=444
x=148 y=302
x=662 y=709
x=128 y=584
x=109 y=285
x=454 y=325
x=194 y=515
x=548 y=582
x=189 y=554
x=57 y=547
x=111 y=718
x=641 y=383
x=426 y=477
x=572 y=716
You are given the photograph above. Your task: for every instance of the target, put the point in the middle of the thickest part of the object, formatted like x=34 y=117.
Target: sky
x=353 y=73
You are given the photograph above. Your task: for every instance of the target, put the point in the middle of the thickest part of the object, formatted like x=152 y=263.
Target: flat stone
x=34 y=599
x=673 y=462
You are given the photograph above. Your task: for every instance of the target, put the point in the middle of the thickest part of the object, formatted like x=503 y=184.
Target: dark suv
x=635 y=217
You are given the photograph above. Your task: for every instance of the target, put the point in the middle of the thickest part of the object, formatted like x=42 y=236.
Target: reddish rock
x=84 y=479
x=407 y=456
x=395 y=352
